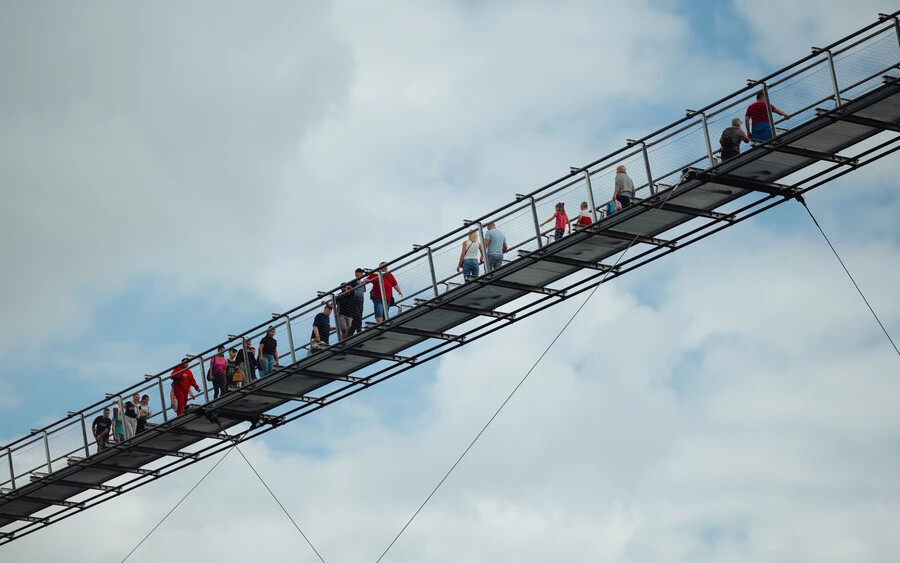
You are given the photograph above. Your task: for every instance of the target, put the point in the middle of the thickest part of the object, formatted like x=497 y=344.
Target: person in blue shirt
x=321 y=329
x=495 y=246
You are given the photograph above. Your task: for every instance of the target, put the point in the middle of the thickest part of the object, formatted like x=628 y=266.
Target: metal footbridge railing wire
x=843 y=105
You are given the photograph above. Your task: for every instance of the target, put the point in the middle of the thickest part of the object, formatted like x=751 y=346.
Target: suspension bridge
x=843 y=105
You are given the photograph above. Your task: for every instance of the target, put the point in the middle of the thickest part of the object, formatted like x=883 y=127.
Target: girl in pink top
x=562 y=221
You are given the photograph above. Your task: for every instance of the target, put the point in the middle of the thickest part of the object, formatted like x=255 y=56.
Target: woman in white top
x=472 y=254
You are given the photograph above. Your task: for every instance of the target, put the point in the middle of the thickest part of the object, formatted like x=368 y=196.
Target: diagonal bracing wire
x=177 y=504
x=234 y=440
x=856 y=285
x=261 y=480
x=518 y=385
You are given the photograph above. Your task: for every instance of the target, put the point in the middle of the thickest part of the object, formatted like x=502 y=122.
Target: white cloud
x=759 y=427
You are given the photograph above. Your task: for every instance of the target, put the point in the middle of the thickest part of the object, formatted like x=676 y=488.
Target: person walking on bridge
x=731 y=139
x=494 y=246
x=218 y=368
x=562 y=221
x=624 y=187
x=390 y=284
x=182 y=381
x=758 y=116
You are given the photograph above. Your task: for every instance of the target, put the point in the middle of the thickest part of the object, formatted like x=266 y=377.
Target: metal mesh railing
x=856 y=64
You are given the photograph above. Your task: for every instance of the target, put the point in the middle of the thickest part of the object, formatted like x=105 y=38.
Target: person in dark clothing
x=321 y=329
x=230 y=368
x=250 y=368
x=349 y=310
x=101 y=428
x=359 y=290
x=268 y=352
x=731 y=139
x=143 y=413
x=218 y=369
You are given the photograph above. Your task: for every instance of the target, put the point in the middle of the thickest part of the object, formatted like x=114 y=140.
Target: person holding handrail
x=562 y=221
x=731 y=139
x=390 y=284
x=758 y=115
x=471 y=256
x=182 y=381
x=624 y=187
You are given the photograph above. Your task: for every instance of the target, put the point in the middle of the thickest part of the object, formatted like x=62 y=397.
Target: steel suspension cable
x=849 y=275
x=271 y=492
x=517 y=387
x=169 y=513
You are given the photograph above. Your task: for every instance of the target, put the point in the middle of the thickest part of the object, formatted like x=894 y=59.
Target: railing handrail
x=856 y=38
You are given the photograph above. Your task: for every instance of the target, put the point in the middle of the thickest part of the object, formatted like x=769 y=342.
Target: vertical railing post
x=47 y=452
x=203 y=377
x=337 y=316
x=897 y=29
x=12 y=471
x=87 y=450
x=834 y=82
x=765 y=91
x=162 y=398
x=483 y=249
x=434 y=284
x=537 y=223
x=290 y=335
x=384 y=302
x=587 y=179
x=647 y=168
x=709 y=149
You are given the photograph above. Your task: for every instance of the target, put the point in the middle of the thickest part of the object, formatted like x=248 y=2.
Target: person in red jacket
x=182 y=381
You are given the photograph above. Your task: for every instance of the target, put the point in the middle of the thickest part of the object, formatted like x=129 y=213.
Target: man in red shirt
x=182 y=381
x=390 y=284
x=756 y=112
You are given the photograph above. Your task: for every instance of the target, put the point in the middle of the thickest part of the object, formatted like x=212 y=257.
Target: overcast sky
x=176 y=172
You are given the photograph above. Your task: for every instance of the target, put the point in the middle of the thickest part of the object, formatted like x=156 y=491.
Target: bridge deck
x=831 y=142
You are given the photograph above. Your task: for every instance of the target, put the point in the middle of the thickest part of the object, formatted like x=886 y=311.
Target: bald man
x=624 y=191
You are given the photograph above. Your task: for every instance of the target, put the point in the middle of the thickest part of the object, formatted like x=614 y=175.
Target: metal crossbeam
x=284 y=396
x=577 y=263
x=685 y=210
x=636 y=238
x=817 y=155
x=770 y=188
x=198 y=433
x=85 y=486
x=425 y=333
x=873 y=123
x=525 y=287
x=474 y=311
x=160 y=452
x=8 y=516
x=376 y=355
x=136 y=470
x=331 y=376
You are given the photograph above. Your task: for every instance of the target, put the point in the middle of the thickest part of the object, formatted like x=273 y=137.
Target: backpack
x=730 y=141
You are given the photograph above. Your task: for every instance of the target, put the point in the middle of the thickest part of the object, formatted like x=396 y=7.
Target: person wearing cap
x=182 y=381
x=349 y=312
x=390 y=284
x=731 y=139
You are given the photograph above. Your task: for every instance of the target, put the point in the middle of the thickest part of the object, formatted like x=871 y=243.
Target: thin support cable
x=186 y=495
x=856 y=285
x=235 y=441
x=515 y=389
